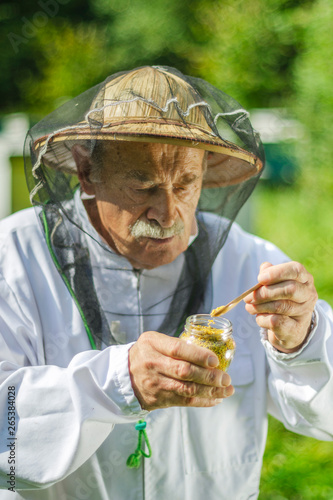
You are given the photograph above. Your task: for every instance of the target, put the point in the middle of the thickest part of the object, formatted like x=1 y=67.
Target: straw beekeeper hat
x=152 y=104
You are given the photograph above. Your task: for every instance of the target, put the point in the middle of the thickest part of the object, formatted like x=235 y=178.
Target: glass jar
x=213 y=333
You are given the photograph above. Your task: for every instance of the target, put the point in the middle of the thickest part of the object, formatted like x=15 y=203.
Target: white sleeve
x=301 y=383
x=62 y=414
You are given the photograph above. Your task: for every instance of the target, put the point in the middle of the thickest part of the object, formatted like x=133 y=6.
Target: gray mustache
x=152 y=229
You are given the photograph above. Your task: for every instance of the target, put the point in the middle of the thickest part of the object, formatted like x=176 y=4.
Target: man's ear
x=82 y=159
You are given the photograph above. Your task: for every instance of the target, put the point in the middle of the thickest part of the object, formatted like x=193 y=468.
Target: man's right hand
x=166 y=371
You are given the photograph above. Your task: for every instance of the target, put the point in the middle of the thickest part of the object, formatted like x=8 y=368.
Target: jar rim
x=216 y=322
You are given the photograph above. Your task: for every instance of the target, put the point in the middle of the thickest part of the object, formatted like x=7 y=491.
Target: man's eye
x=181 y=189
x=144 y=190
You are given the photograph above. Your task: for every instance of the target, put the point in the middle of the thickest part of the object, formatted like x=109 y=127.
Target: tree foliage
x=249 y=47
x=313 y=77
x=266 y=53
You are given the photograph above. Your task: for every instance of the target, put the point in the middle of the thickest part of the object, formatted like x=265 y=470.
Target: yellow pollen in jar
x=213 y=339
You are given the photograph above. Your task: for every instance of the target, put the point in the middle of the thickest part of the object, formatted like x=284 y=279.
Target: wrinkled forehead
x=122 y=157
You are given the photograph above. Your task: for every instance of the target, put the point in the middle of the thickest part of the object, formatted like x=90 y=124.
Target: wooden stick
x=224 y=309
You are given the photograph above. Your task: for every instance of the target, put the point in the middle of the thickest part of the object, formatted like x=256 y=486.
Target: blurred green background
x=268 y=54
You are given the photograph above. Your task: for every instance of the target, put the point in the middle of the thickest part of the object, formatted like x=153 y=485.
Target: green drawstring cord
x=134 y=459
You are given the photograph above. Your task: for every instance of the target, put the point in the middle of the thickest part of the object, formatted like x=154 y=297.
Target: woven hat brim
x=228 y=164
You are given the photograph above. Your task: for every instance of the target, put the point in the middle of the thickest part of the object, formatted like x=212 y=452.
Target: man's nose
x=163 y=208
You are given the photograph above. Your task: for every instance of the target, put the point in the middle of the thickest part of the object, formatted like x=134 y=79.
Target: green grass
x=299 y=220
x=296 y=467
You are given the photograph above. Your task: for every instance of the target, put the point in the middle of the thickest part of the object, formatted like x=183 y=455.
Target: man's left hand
x=284 y=304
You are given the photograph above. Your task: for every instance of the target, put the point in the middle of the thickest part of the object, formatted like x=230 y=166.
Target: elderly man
x=128 y=180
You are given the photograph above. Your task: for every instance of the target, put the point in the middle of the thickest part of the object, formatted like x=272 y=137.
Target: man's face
x=146 y=200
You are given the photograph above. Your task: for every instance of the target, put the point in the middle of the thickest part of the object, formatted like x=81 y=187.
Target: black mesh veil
x=149 y=104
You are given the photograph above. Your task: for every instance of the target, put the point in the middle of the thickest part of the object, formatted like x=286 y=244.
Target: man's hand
x=166 y=371
x=284 y=304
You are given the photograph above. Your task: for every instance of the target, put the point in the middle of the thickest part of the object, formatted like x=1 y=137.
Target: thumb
x=263 y=266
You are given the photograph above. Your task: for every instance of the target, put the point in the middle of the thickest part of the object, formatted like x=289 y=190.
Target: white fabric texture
x=76 y=410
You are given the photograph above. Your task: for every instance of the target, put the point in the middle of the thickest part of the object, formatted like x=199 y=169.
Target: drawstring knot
x=134 y=459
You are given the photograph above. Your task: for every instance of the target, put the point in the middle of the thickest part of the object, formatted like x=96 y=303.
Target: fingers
x=270 y=274
x=176 y=349
x=161 y=375
x=263 y=266
x=187 y=371
x=277 y=323
x=175 y=359
x=186 y=389
x=172 y=392
x=289 y=289
x=284 y=304
x=279 y=303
